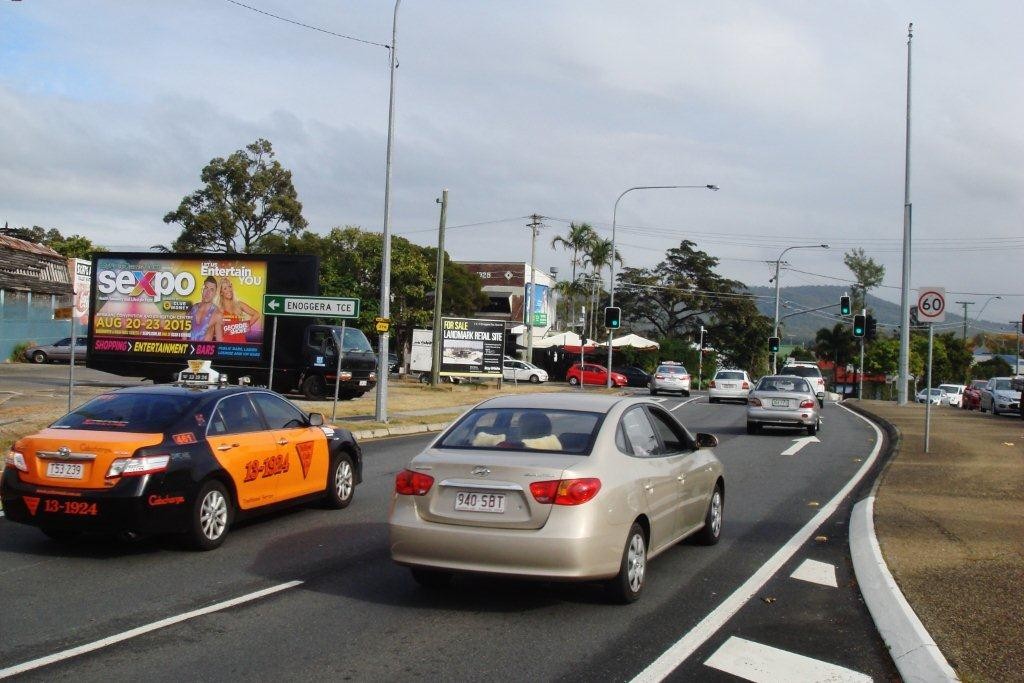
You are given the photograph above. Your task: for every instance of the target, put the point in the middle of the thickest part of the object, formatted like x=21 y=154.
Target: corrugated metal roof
x=9 y=242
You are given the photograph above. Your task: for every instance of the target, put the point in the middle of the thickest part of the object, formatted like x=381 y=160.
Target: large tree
x=72 y=246
x=678 y=295
x=244 y=199
x=866 y=271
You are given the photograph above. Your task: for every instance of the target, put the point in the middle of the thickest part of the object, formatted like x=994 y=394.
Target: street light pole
x=965 y=304
x=385 y=270
x=904 y=355
x=611 y=267
x=778 y=261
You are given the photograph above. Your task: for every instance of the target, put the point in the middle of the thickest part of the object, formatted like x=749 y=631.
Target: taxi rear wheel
x=211 y=516
x=341 y=482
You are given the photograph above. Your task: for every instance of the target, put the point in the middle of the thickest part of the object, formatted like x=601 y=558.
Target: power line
x=309 y=26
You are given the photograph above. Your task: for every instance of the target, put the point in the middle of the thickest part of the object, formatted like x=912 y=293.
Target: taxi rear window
x=127 y=413
x=800 y=371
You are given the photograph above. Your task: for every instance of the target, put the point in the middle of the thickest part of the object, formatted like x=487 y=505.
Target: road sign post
x=931 y=309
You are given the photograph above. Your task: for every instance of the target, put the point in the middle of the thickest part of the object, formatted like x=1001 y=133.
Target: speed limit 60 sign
x=931 y=304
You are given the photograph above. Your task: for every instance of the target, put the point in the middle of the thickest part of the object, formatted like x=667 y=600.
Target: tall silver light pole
x=904 y=359
x=775 y=324
x=385 y=270
x=611 y=268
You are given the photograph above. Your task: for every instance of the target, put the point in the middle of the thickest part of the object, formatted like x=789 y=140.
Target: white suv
x=808 y=370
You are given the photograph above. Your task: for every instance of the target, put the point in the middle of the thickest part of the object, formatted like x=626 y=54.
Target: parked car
x=57 y=351
x=999 y=396
x=809 y=371
x=784 y=401
x=971 y=399
x=636 y=377
x=578 y=487
x=393 y=363
x=729 y=385
x=590 y=373
x=670 y=376
x=938 y=396
x=521 y=371
x=954 y=393
x=176 y=459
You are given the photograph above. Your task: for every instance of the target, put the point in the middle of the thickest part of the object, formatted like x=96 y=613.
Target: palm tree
x=578 y=241
x=600 y=254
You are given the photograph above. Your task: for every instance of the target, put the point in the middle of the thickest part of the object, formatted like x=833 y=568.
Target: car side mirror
x=706 y=440
x=821 y=395
x=316 y=420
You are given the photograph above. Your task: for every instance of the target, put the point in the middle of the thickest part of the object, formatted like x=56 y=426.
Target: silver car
x=784 y=401
x=729 y=385
x=670 y=377
x=557 y=487
x=999 y=396
x=57 y=351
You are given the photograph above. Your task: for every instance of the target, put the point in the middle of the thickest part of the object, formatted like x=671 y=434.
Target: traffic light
x=773 y=344
x=858 y=325
x=870 y=328
x=612 y=317
x=844 y=305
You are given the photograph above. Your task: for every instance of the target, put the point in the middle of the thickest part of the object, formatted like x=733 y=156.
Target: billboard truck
x=470 y=347
x=150 y=314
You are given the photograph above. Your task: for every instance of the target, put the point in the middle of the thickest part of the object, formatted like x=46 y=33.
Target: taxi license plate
x=468 y=501
x=65 y=470
x=728 y=386
x=780 y=402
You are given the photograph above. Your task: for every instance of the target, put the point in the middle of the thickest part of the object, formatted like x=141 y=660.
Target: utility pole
x=965 y=304
x=1016 y=347
x=534 y=227
x=904 y=358
x=860 y=375
x=700 y=360
x=435 y=368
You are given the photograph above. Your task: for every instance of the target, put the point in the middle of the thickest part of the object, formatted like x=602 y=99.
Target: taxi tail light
x=711 y=384
x=806 y=404
x=753 y=401
x=409 y=483
x=746 y=385
x=16 y=460
x=565 y=491
x=138 y=466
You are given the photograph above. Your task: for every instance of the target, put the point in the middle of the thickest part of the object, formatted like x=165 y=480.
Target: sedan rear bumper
x=804 y=417
x=729 y=394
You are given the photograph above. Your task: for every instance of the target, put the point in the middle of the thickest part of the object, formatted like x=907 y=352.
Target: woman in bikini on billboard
x=237 y=316
x=206 y=317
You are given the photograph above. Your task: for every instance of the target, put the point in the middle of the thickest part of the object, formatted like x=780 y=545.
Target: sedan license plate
x=780 y=402
x=65 y=470
x=470 y=501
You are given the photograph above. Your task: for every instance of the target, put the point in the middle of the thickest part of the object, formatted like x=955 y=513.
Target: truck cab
x=358 y=367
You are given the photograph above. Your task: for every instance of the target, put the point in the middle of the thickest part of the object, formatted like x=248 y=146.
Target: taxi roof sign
x=199 y=373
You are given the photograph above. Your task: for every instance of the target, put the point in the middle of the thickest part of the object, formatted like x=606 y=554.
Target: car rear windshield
x=149 y=413
x=783 y=384
x=672 y=370
x=726 y=374
x=525 y=429
x=800 y=371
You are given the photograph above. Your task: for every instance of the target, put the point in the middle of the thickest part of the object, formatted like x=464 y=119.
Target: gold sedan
x=556 y=487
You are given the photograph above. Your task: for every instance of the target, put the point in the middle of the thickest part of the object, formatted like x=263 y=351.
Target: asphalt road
x=356 y=616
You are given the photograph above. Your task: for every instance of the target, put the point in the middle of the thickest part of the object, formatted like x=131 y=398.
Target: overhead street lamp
x=775 y=325
x=987 y=302
x=611 y=269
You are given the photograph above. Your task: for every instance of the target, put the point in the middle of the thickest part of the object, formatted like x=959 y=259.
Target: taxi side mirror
x=316 y=420
x=706 y=440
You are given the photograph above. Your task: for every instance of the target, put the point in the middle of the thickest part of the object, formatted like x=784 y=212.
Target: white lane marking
x=689 y=400
x=141 y=630
x=709 y=625
x=816 y=572
x=800 y=443
x=659 y=399
x=764 y=664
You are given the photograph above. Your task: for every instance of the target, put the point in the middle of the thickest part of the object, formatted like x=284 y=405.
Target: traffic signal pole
x=860 y=376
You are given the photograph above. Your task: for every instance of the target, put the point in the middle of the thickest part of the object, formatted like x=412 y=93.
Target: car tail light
x=685 y=377
x=659 y=377
x=409 y=483
x=806 y=404
x=746 y=385
x=565 y=491
x=16 y=460
x=137 y=467
x=753 y=401
x=711 y=384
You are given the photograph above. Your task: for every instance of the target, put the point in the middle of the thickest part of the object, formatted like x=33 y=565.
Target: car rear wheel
x=314 y=387
x=712 y=530
x=431 y=578
x=686 y=394
x=751 y=428
x=211 y=516
x=341 y=482
x=574 y=381
x=60 y=535
x=629 y=584
x=654 y=392
x=712 y=400
x=39 y=357
x=813 y=429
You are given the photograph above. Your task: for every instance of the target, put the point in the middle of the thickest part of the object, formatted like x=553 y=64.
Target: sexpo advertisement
x=188 y=307
x=472 y=347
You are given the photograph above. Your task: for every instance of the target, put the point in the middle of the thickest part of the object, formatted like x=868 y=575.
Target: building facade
x=34 y=284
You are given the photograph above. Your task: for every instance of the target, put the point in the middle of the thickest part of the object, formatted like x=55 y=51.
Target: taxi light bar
x=565 y=491
x=409 y=483
x=137 y=467
x=16 y=460
x=754 y=401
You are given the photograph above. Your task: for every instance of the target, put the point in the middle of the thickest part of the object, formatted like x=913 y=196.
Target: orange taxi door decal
x=305 y=448
x=250 y=458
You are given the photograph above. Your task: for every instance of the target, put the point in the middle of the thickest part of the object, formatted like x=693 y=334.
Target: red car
x=594 y=374
x=971 y=399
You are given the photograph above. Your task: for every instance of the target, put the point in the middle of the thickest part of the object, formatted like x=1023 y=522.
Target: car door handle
x=227 y=447
x=281 y=442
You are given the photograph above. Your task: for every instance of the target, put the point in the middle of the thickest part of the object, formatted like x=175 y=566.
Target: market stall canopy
x=633 y=341
x=570 y=341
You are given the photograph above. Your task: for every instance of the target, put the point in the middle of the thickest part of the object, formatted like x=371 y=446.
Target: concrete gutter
x=400 y=430
x=911 y=647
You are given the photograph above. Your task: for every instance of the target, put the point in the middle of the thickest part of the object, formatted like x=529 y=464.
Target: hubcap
x=636 y=562
x=716 y=513
x=213 y=515
x=343 y=480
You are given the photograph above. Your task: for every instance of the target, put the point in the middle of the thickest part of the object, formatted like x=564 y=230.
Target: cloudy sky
x=795 y=109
